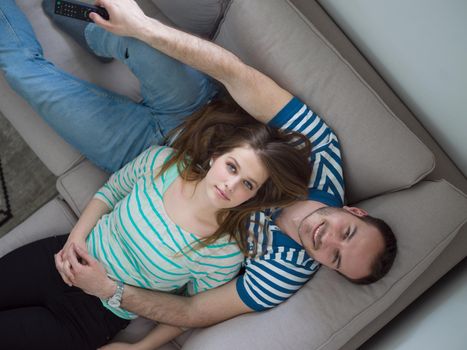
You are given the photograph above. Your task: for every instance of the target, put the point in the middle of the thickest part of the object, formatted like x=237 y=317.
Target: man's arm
x=201 y=310
x=204 y=309
x=259 y=95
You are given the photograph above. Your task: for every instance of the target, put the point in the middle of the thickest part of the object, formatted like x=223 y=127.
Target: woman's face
x=235 y=177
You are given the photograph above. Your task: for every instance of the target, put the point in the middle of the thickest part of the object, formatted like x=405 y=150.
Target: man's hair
x=384 y=260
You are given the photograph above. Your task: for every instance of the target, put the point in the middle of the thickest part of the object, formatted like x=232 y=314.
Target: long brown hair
x=221 y=127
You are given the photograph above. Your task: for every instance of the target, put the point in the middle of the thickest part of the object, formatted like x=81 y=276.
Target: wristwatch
x=116 y=299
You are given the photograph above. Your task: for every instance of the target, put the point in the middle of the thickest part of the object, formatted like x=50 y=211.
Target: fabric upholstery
x=200 y=17
x=78 y=185
x=54 y=218
x=380 y=153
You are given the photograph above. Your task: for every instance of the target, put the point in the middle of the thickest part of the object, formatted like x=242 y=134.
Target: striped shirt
x=139 y=244
x=281 y=266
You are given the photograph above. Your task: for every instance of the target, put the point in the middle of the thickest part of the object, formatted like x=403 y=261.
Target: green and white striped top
x=140 y=245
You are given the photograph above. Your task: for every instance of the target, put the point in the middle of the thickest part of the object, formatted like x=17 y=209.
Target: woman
x=169 y=218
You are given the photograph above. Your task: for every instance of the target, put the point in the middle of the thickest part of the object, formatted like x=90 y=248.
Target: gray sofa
x=393 y=167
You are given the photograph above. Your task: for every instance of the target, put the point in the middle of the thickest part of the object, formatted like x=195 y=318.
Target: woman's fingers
x=60 y=266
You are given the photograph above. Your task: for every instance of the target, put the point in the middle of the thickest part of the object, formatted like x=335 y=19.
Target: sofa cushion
x=54 y=218
x=380 y=153
x=78 y=185
x=329 y=310
x=195 y=16
x=136 y=330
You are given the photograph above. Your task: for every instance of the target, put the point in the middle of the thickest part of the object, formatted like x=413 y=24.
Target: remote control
x=78 y=10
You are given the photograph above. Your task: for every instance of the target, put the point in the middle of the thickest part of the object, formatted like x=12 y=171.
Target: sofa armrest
x=53 y=219
x=78 y=185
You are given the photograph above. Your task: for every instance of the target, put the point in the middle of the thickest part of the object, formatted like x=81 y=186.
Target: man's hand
x=255 y=92
x=125 y=17
x=89 y=274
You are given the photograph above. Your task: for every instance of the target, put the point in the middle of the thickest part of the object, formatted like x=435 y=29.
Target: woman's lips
x=222 y=194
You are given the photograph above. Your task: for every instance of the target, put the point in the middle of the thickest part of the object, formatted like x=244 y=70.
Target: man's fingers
x=86 y=259
x=96 y=18
x=100 y=3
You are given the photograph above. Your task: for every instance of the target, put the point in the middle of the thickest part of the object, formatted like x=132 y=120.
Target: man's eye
x=347 y=234
x=337 y=260
x=336 y=257
x=248 y=185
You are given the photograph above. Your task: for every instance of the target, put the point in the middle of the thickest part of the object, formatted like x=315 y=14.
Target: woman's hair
x=218 y=129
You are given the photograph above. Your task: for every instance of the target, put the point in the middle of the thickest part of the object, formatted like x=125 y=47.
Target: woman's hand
x=62 y=258
x=89 y=274
x=88 y=220
x=125 y=17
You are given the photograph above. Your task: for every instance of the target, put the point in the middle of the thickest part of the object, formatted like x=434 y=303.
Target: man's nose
x=331 y=240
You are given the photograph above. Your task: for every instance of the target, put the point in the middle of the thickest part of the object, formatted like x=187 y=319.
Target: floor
x=28 y=183
x=436 y=321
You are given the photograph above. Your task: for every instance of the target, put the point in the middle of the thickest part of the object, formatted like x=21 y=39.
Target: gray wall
x=420 y=48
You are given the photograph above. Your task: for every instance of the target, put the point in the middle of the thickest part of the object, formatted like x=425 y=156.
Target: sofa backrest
x=380 y=153
x=200 y=17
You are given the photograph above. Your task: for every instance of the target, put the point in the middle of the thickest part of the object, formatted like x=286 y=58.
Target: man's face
x=340 y=240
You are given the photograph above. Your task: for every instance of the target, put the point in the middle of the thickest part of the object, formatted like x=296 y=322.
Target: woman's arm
x=159 y=336
x=88 y=219
x=119 y=185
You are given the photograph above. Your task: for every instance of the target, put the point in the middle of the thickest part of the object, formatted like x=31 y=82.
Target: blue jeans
x=107 y=128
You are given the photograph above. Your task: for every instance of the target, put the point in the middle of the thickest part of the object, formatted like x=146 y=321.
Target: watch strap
x=116 y=299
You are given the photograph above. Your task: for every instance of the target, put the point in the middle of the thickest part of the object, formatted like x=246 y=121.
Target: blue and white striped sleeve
x=280 y=268
x=267 y=283
x=327 y=180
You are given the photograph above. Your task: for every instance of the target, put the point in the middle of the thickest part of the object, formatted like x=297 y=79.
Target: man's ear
x=356 y=211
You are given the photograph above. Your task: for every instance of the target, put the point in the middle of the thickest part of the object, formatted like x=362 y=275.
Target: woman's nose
x=229 y=186
x=231 y=183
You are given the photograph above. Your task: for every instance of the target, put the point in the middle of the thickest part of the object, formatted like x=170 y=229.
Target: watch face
x=114 y=303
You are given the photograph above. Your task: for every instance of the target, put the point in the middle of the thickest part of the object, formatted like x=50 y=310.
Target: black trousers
x=39 y=311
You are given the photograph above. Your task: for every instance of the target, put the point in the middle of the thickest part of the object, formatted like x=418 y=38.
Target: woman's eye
x=231 y=168
x=248 y=185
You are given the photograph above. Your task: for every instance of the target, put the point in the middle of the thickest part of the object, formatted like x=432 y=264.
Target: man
x=292 y=244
